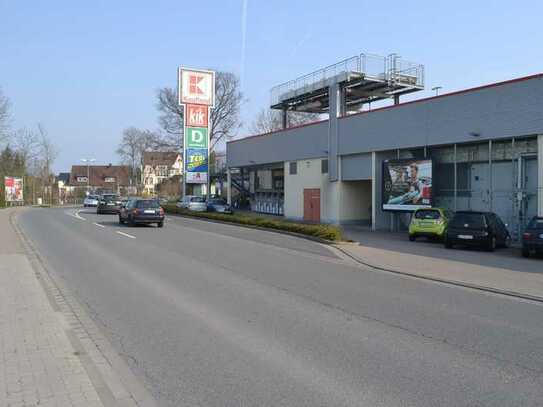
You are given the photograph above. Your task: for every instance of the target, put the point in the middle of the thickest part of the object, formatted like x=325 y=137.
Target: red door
x=312 y=205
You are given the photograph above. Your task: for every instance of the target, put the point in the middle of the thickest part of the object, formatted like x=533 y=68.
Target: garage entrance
x=312 y=205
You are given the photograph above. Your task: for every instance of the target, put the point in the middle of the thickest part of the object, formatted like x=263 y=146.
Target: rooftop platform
x=365 y=78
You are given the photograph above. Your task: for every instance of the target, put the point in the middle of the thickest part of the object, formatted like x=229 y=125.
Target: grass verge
x=326 y=232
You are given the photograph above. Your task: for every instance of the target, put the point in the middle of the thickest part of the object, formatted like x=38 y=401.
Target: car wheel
x=412 y=238
x=507 y=242
x=131 y=222
x=121 y=221
x=160 y=224
x=525 y=253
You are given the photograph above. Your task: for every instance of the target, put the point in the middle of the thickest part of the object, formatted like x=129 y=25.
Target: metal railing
x=391 y=69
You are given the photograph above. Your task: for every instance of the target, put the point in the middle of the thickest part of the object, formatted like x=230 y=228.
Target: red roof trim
x=459 y=92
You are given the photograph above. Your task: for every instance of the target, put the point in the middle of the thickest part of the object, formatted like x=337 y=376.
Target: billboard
x=196 y=165
x=196 y=87
x=13 y=189
x=407 y=184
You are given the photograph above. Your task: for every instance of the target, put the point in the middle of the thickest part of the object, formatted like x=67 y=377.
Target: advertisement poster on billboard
x=13 y=189
x=407 y=184
x=196 y=165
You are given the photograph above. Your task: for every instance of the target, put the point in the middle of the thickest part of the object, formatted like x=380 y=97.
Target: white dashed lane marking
x=125 y=234
x=97 y=224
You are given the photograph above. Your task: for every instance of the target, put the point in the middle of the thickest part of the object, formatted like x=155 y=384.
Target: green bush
x=327 y=232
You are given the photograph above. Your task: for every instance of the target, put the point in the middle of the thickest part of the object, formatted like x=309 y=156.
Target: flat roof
x=444 y=95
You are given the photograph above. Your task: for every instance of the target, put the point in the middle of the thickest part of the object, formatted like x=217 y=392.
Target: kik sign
x=196 y=137
x=196 y=115
x=197 y=87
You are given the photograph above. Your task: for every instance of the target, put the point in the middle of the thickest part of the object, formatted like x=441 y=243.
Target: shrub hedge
x=327 y=232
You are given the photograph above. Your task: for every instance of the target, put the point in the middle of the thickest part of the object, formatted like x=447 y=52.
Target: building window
x=324 y=166
x=293 y=168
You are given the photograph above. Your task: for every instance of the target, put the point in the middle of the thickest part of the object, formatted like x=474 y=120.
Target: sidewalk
x=503 y=270
x=46 y=355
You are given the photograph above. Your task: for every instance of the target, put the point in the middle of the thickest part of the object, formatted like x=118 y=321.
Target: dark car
x=479 y=229
x=137 y=211
x=532 y=238
x=108 y=203
x=219 y=205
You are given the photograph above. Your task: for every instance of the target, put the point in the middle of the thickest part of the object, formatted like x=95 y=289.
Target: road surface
x=217 y=315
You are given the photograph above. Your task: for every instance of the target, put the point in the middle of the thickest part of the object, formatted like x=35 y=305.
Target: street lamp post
x=88 y=161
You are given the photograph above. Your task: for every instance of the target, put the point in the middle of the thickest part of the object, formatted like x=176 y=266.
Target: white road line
x=126 y=234
x=79 y=216
x=75 y=215
x=97 y=224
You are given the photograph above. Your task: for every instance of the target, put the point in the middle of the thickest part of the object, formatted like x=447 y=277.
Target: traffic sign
x=196 y=87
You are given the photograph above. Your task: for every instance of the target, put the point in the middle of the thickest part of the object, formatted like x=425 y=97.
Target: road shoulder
x=69 y=360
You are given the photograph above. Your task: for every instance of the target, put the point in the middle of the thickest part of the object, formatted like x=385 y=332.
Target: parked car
x=481 y=229
x=532 y=238
x=184 y=201
x=197 y=204
x=138 y=210
x=91 y=201
x=430 y=223
x=219 y=205
x=109 y=203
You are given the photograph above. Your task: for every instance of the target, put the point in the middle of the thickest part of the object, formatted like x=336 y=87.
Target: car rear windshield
x=427 y=214
x=110 y=198
x=197 y=199
x=472 y=220
x=147 y=204
x=218 y=201
x=536 y=223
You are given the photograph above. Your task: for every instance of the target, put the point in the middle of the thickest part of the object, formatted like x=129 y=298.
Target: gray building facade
x=485 y=144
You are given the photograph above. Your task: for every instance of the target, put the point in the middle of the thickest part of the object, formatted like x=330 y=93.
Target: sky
x=86 y=70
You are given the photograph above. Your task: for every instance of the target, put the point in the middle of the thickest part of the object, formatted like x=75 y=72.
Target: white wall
x=308 y=176
x=341 y=201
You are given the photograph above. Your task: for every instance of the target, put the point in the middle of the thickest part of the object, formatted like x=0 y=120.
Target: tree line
x=225 y=119
x=27 y=153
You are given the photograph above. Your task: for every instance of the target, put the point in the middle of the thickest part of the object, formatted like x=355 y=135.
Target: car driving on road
x=430 y=223
x=137 y=211
x=91 y=201
x=532 y=238
x=480 y=229
x=109 y=203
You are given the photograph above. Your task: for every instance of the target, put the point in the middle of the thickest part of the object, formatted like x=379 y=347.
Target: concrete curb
x=457 y=283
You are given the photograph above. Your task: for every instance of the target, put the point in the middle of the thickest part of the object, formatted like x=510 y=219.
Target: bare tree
x=4 y=117
x=134 y=143
x=269 y=120
x=224 y=117
x=47 y=153
x=27 y=143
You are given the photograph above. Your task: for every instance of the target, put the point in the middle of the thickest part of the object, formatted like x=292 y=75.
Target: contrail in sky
x=244 y=6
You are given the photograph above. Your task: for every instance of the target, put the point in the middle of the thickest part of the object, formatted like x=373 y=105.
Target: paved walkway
x=503 y=270
x=46 y=355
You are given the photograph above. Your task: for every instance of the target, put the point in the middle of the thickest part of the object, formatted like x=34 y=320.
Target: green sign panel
x=196 y=137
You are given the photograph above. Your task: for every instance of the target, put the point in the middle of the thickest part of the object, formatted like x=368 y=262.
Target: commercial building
x=480 y=148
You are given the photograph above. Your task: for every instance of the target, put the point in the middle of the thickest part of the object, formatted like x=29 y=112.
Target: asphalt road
x=215 y=315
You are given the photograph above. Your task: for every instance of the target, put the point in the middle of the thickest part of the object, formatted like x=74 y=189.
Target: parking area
x=504 y=269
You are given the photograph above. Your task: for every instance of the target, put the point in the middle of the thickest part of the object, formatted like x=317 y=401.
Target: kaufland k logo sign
x=196 y=87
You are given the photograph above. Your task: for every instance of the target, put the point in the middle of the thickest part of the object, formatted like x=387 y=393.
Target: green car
x=430 y=222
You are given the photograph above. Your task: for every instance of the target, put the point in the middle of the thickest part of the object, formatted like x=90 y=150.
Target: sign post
x=197 y=96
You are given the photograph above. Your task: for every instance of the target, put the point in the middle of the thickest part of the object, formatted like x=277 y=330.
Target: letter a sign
x=196 y=87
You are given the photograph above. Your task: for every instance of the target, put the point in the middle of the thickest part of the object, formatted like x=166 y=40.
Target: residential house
x=159 y=166
x=102 y=178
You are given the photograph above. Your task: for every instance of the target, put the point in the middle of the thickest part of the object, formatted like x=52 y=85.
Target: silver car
x=184 y=202
x=91 y=201
x=197 y=204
